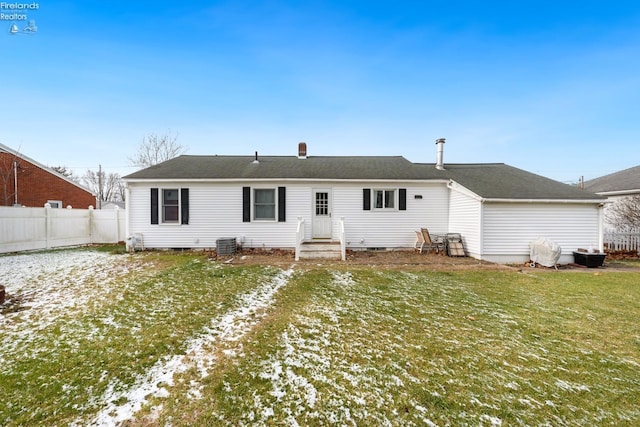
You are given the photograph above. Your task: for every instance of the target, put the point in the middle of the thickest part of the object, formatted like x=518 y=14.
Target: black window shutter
x=184 y=205
x=154 y=206
x=402 y=203
x=282 y=204
x=246 y=204
x=366 y=199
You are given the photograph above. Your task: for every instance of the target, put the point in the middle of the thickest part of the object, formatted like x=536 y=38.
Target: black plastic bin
x=589 y=259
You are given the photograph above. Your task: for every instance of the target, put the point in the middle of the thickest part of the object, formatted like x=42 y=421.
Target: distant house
x=364 y=202
x=25 y=182
x=616 y=186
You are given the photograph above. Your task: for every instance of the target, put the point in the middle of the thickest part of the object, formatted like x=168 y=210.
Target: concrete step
x=327 y=249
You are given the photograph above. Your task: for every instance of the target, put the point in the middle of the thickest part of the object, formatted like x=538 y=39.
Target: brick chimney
x=302 y=150
x=439 y=161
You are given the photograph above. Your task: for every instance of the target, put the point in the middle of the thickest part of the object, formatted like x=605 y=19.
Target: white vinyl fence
x=628 y=240
x=23 y=229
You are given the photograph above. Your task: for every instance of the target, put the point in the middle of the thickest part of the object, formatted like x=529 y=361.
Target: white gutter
x=229 y=180
x=618 y=193
x=558 y=201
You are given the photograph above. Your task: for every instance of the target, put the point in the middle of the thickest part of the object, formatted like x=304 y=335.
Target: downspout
x=481 y=230
x=601 y=227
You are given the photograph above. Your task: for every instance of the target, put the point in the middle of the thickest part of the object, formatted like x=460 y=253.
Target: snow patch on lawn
x=43 y=287
x=565 y=385
x=200 y=354
x=313 y=379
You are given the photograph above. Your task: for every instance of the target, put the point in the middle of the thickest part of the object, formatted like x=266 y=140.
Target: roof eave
x=557 y=201
x=619 y=192
x=229 y=180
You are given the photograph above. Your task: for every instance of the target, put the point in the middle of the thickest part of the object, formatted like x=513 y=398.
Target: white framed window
x=55 y=203
x=384 y=199
x=264 y=204
x=170 y=206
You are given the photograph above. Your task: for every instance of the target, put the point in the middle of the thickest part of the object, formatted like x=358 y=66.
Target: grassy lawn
x=166 y=339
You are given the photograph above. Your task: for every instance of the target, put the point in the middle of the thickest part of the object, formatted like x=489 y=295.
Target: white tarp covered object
x=545 y=252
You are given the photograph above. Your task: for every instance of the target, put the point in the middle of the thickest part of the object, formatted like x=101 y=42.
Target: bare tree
x=63 y=170
x=107 y=187
x=10 y=166
x=121 y=191
x=625 y=213
x=156 y=149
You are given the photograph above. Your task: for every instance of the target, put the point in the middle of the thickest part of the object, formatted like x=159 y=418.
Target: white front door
x=322 y=213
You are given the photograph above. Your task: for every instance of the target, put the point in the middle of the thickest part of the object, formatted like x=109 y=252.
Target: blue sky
x=550 y=87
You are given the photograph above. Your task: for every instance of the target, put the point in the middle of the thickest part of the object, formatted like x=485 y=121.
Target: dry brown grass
x=406 y=260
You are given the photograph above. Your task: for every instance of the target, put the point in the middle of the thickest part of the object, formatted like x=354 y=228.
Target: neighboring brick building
x=37 y=184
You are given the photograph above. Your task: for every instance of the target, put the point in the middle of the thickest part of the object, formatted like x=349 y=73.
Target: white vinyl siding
x=465 y=217
x=499 y=232
x=215 y=211
x=508 y=228
x=391 y=229
x=502 y=231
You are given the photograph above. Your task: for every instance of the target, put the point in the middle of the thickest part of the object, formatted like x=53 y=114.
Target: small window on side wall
x=264 y=207
x=55 y=203
x=264 y=204
x=384 y=199
x=381 y=199
x=170 y=208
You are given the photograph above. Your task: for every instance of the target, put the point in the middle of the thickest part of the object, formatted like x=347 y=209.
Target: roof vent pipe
x=256 y=160
x=302 y=150
x=439 y=161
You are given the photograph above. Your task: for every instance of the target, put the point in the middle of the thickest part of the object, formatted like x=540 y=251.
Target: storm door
x=322 y=213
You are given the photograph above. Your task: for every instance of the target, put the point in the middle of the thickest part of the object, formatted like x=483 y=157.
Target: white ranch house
x=363 y=202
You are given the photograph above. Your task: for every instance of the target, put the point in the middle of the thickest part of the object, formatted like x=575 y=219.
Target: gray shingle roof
x=279 y=167
x=500 y=181
x=625 y=180
x=491 y=181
